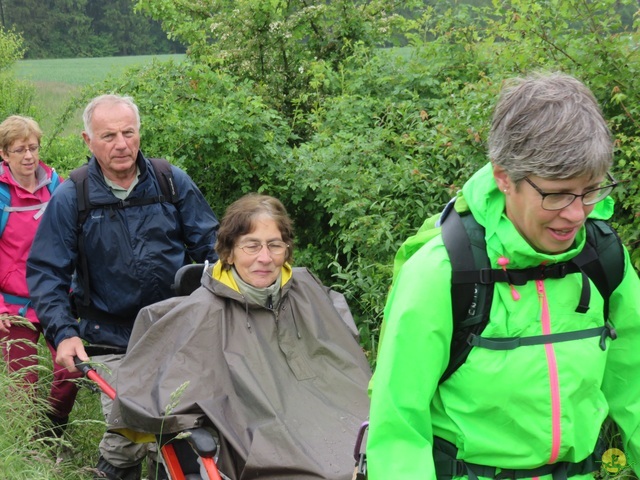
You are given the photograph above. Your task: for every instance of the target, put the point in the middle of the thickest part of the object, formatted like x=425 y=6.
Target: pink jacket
x=16 y=240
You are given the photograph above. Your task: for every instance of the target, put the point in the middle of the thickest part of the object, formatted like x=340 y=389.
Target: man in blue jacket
x=124 y=252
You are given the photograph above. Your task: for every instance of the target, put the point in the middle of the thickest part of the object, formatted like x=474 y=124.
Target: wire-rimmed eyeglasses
x=558 y=201
x=23 y=150
x=253 y=248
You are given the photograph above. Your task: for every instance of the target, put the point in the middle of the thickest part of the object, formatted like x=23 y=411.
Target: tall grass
x=25 y=454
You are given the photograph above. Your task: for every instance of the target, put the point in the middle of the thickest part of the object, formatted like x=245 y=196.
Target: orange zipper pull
x=503 y=262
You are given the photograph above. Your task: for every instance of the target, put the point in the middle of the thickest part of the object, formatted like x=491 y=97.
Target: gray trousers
x=116 y=449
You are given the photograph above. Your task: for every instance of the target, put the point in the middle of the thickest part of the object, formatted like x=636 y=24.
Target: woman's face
x=25 y=163
x=262 y=269
x=547 y=231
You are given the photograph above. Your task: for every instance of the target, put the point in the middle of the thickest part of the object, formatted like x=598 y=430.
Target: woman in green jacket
x=533 y=411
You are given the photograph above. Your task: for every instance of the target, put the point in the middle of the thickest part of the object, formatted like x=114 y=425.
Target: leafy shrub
x=11 y=48
x=273 y=43
x=391 y=145
x=16 y=97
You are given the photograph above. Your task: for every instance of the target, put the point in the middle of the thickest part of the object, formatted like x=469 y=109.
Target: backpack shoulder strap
x=55 y=181
x=464 y=240
x=5 y=202
x=79 y=177
x=162 y=169
x=602 y=259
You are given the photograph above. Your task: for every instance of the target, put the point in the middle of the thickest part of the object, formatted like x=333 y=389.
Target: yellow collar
x=225 y=277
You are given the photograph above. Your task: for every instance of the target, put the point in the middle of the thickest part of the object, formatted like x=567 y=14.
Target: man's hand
x=69 y=348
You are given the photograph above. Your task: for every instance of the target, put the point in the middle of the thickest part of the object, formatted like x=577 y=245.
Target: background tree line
x=84 y=28
x=101 y=28
x=297 y=99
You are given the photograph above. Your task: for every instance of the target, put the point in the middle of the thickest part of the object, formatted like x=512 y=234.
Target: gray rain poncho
x=285 y=388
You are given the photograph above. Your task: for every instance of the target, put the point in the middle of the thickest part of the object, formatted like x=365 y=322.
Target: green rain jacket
x=520 y=408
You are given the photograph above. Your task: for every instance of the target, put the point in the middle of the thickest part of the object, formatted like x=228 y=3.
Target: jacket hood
x=481 y=196
x=226 y=278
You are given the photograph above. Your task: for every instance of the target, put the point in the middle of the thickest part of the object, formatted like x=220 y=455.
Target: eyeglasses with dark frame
x=23 y=150
x=558 y=201
x=254 y=248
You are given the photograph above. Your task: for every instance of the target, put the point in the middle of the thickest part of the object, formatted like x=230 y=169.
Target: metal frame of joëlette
x=168 y=452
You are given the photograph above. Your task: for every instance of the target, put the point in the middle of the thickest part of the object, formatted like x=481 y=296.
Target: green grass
x=79 y=72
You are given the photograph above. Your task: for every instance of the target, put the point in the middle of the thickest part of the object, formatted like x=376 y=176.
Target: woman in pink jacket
x=26 y=184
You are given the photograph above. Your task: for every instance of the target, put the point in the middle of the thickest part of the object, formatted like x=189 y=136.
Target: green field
x=57 y=80
x=80 y=71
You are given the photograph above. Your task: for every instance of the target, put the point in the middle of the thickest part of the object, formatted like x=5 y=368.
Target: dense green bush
x=11 y=48
x=273 y=44
x=388 y=151
x=16 y=97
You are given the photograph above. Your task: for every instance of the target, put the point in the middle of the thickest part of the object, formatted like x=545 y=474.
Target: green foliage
x=27 y=455
x=390 y=148
x=64 y=153
x=11 y=48
x=270 y=42
x=16 y=97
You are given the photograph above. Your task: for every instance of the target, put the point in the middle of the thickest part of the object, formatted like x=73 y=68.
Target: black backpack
x=79 y=176
x=601 y=260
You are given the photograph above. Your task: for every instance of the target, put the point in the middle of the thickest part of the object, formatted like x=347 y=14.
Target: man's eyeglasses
x=254 y=248
x=23 y=150
x=558 y=201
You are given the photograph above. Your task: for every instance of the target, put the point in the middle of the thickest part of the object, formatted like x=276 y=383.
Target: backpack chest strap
x=511 y=343
x=489 y=276
x=40 y=207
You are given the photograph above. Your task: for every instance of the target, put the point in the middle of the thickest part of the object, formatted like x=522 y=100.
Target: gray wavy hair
x=109 y=99
x=549 y=125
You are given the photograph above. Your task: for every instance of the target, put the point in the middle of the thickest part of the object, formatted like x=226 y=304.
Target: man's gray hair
x=111 y=99
x=549 y=125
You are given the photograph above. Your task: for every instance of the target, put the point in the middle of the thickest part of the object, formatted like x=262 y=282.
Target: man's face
x=115 y=140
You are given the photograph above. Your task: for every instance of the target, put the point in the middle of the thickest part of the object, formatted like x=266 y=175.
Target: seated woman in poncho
x=262 y=352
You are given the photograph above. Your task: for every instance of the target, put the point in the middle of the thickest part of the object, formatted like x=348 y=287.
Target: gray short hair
x=549 y=125
x=111 y=99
